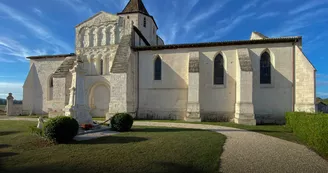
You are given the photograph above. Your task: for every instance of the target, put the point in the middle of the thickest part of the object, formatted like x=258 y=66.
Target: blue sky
x=38 y=27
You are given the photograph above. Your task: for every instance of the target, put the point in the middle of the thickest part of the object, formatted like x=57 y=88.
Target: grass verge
x=145 y=149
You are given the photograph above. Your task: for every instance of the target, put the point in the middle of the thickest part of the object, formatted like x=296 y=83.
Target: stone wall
x=305 y=85
x=11 y=108
x=168 y=98
x=36 y=97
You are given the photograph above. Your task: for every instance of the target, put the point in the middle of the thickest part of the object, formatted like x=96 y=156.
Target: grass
x=2 y=107
x=278 y=131
x=145 y=149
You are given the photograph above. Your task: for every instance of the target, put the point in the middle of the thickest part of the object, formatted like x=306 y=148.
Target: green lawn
x=145 y=149
x=2 y=107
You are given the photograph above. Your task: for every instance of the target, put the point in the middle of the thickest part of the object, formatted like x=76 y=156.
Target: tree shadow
x=175 y=167
x=156 y=130
x=4 y=146
x=112 y=140
x=4 y=133
x=7 y=154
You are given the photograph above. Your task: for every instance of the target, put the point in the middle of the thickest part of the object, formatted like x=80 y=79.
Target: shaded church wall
x=166 y=98
x=44 y=68
x=305 y=75
x=158 y=99
x=272 y=101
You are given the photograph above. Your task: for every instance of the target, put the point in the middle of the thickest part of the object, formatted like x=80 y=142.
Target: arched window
x=265 y=68
x=158 y=69
x=145 y=22
x=218 y=70
x=101 y=67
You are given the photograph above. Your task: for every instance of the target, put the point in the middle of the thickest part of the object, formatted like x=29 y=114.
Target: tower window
x=145 y=22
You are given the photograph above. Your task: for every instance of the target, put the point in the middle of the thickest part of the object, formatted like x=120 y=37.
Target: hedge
x=310 y=128
x=61 y=129
x=121 y=122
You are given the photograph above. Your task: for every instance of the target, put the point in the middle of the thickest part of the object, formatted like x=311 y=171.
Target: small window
x=101 y=67
x=218 y=70
x=145 y=22
x=158 y=69
x=265 y=68
x=51 y=84
x=128 y=17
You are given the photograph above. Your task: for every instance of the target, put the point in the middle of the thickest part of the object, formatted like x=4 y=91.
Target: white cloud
x=36 y=28
x=14 y=48
x=232 y=24
x=38 y=12
x=205 y=14
x=270 y=2
x=307 y=6
x=11 y=87
x=79 y=6
x=249 y=5
x=322 y=94
x=294 y=25
x=6 y=60
x=268 y=14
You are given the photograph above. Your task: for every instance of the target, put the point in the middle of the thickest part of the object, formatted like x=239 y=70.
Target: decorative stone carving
x=104 y=35
x=86 y=38
x=95 y=36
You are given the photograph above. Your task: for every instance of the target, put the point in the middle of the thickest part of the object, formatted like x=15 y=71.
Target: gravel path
x=246 y=151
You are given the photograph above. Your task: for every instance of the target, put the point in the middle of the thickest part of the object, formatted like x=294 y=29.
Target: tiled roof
x=51 y=56
x=135 y=6
x=223 y=43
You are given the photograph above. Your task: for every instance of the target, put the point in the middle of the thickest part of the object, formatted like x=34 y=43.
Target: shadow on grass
x=112 y=140
x=158 y=167
x=8 y=133
x=175 y=167
x=4 y=146
x=7 y=154
x=171 y=129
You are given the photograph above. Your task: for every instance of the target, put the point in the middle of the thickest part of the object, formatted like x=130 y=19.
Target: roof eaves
x=224 y=43
x=51 y=56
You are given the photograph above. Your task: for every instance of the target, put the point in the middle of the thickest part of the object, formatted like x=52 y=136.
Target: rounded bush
x=121 y=122
x=61 y=129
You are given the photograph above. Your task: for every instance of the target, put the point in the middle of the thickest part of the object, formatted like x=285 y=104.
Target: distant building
x=321 y=107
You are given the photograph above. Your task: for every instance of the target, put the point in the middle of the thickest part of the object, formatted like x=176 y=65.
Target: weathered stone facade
x=112 y=71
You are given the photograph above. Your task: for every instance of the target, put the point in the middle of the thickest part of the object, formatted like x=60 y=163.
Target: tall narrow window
x=158 y=69
x=51 y=87
x=265 y=68
x=218 y=70
x=145 y=22
x=51 y=82
x=101 y=67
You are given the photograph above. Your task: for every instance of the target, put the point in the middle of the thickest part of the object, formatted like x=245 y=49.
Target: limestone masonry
x=120 y=64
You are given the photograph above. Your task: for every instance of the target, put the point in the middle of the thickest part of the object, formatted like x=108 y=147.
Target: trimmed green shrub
x=121 y=122
x=61 y=129
x=36 y=131
x=310 y=128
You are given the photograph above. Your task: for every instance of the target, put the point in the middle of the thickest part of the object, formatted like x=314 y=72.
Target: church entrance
x=99 y=98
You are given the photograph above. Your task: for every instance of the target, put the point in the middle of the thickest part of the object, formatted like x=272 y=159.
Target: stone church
x=120 y=64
